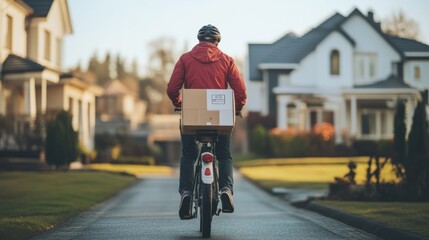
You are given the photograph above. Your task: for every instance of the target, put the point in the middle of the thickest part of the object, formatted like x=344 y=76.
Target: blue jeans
x=190 y=154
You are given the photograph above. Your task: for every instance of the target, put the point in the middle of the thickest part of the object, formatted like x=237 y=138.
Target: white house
x=345 y=71
x=32 y=83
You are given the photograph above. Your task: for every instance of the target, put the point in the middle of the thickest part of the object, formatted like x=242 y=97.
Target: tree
x=399 y=138
x=399 y=25
x=417 y=161
x=104 y=71
x=121 y=73
x=100 y=69
x=161 y=63
x=61 y=143
x=135 y=69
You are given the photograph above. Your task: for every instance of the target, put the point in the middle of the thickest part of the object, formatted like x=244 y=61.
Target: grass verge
x=412 y=217
x=306 y=173
x=32 y=202
x=317 y=173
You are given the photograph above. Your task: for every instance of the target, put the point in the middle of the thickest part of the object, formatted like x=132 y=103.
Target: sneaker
x=227 y=202
x=185 y=206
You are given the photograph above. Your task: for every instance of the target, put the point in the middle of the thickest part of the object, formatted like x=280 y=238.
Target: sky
x=127 y=27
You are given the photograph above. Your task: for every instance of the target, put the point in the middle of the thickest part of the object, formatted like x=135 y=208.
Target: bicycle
x=205 y=183
x=206 y=194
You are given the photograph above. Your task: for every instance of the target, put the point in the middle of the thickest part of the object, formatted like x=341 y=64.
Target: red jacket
x=206 y=67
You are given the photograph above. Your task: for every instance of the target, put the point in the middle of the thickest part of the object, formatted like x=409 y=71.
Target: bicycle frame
x=206 y=177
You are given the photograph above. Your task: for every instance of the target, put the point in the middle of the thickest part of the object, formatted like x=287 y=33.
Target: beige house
x=119 y=108
x=32 y=83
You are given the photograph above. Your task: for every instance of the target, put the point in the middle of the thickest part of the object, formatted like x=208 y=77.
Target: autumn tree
x=161 y=64
x=400 y=25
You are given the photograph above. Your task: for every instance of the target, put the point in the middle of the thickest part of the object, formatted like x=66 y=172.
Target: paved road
x=148 y=210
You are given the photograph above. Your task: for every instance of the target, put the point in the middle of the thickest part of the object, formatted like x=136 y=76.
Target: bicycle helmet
x=209 y=33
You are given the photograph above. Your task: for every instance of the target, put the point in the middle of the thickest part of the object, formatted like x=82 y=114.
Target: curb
x=379 y=229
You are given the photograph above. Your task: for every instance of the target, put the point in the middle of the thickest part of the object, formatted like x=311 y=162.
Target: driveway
x=148 y=210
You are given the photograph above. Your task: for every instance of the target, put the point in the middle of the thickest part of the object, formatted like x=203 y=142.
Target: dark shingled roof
x=17 y=64
x=408 y=45
x=41 y=7
x=292 y=49
x=391 y=82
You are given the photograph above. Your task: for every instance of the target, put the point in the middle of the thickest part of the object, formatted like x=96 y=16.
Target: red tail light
x=207 y=172
x=207 y=157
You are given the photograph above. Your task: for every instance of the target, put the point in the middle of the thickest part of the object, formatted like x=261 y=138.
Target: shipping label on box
x=211 y=109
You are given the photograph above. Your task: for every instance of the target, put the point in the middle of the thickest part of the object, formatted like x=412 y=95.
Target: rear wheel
x=206 y=210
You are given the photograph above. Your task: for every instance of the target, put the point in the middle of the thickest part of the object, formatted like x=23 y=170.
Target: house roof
x=117 y=87
x=390 y=82
x=408 y=45
x=17 y=64
x=40 y=7
x=292 y=49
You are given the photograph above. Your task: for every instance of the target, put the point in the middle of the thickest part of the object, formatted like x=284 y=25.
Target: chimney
x=370 y=15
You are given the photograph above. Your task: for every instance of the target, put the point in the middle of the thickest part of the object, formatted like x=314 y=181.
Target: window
x=292 y=115
x=372 y=67
x=361 y=70
x=395 y=69
x=368 y=123
x=417 y=72
x=59 y=50
x=70 y=110
x=47 y=45
x=328 y=117
x=9 y=32
x=365 y=67
x=335 y=62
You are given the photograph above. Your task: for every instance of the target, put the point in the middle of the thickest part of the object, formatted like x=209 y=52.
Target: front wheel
x=206 y=210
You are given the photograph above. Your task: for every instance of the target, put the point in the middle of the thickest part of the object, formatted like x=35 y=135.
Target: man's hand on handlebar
x=177 y=109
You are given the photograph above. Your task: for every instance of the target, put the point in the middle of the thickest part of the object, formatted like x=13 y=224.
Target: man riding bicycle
x=206 y=67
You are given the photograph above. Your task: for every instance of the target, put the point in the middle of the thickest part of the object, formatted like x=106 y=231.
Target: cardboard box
x=208 y=109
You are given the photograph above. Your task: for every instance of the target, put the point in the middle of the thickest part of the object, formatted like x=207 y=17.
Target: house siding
x=368 y=40
x=19 y=35
x=54 y=24
x=423 y=82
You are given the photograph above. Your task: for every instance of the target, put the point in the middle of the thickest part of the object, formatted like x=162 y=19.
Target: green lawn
x=306 y=173
x=413 y=217
x=32 y=202
x=317 y=173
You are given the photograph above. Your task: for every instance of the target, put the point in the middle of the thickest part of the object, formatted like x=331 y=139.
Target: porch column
x=302 y=115
x=342 y=121
x=30 y=97
x=75 y=113
x=2 y=100
x=282 y=102
x=91 y=123
x=409 y=110
x=43 y=97
x=353 y=103
x=85 y=123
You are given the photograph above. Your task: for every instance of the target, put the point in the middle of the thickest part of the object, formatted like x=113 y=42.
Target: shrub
x=259 y=140
x=288 y=144
x=61 y=143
